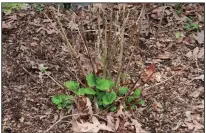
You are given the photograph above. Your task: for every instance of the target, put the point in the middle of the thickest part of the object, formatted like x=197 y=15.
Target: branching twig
x=142 y=10
x=137 y=23
x=166 y=79
x=99 y=33
x=66 y=68
x=87 y=49
x=58 y=60
x=64 y=36
x=105 y=50
x=133 y=87
x=82 y=35
x=121 y=47
x=109 y=50
x=62 y=119
x=55 y=81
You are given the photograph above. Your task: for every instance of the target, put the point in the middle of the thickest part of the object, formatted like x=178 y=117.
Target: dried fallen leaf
x=201 y=53
x=90 y=127
x=157 y=106
x=49 y=31
x=164 y=56
x=148 y=75
x=200 y=37
x=89 y=106
x=177 y=125
x=189 y=54
x=200 y=77
x=195 y=52
x=197 y=92
x=158 y=76
x=120 y=111
x=110 y=120
x=195 y=125
x=138 y=127
x=13 y=17
x=72 y=24
x=6 y=25
x=117 y=123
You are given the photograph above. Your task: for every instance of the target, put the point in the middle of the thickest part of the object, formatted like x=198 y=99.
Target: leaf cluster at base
x=99 y=89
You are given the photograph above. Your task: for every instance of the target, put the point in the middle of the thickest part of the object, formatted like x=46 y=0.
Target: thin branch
x=105 y=50
x=62 y=119
x=82 y=35
x=64 y=36
x=87 y=50
x=55 y=81
x=137 y=23
x=109 y=50
x=130 y=59
x=121 y=47
x=66 y=68
x=142 y=10
x=166 y=79
x=53 y=24
x=99 y=33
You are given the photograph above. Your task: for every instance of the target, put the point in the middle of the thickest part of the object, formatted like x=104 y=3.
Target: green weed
x=9 y=7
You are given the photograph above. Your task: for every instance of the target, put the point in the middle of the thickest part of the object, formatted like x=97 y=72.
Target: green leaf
x=103 y=84
x=100 y=94
x=122 y=91
x=91 y=80
x=88 y=91
x=113 y=108
x=43 y=69
x=72 y=85
x=189 y=20
x=178 y=12
x=187 y=26
x=109 y=98
x=195 y=26
x=130 y=99
x=59 y=106
x=177 y=35
x=137 y=93
x=99 y=102
x=58 y=99
x=142 y=102
x=68 y=106
x=79 y=92
x=133 y=107
x=177 y=5
x=111 y=83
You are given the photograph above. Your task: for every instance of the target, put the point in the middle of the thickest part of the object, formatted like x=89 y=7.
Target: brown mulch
x=171 y=104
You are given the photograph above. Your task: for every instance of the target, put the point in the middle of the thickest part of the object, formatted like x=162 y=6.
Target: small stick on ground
x=57 y=122
x=55 y=81
x=166 y=79
x=61 y=120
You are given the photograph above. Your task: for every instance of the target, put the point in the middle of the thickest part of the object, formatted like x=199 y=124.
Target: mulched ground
x=174 y=96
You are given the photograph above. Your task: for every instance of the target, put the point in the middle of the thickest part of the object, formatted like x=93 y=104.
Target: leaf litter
x=163 y=106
